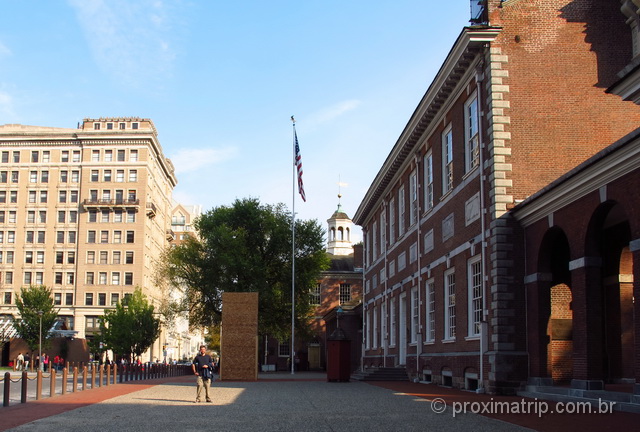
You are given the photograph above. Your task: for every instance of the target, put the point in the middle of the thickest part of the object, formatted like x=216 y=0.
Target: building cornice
x=466 y=48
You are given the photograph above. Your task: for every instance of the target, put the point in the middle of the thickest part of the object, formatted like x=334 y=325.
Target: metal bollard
x=101 y=375
x=7 y=389
x=65 y=375
x=52 y=382
x=23 y=395
x=108 y=367
x=75 y=379
x=84 y=378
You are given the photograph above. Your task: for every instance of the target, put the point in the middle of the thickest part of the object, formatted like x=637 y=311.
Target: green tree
x=131 y=328
x=34 y=303
x=247 y=247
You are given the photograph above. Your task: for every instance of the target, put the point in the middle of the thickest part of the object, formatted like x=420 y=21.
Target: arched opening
x=340 y=234
x=555 y=296
x=608 y=238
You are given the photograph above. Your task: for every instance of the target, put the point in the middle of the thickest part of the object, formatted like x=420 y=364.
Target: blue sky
x=221 y=80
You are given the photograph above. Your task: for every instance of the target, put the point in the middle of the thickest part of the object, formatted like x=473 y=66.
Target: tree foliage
x=34 y=301
x=247 y=247
x=131 y=328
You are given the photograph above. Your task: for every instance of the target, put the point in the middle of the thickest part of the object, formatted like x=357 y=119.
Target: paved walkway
x=286 y=402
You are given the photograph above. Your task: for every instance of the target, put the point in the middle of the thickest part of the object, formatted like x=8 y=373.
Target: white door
x=402 y=329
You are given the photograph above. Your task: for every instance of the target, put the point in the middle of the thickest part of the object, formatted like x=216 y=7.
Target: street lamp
x=40 y=364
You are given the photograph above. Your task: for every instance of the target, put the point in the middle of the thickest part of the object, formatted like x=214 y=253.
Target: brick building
x=525 y=95
x=86 y=212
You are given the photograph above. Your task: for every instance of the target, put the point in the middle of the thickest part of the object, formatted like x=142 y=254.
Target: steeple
x=339 y=232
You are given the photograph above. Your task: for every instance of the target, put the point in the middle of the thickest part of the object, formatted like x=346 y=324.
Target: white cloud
x=128 y=40
x=191 y=160
x=332 y=112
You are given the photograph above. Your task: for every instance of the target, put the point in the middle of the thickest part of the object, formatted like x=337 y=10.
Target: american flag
x=298 y=164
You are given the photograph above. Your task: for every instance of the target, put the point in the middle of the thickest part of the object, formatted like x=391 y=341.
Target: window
x=57 y=299
x=102 y=278
x=27 y=278
x=475 y=295
x=35 y=156
x=413 y=197
x=88 y=300
x=32 y=197
x=314 y=299
x=134 y=125
x=76 y=156
x=128 y=278
x=130 y=236
x=3 y=196
x=73 y=216
x=121 y=155
x=115 y=257
x=73 y=196
x=471 y=135
x=12 y=217
x=95 y=175
x=374 y=248
x=91 y=257
x=131 y=195
x=119 y=176
x=117 y=216
x=133 y=175
x=39 y=278
x=8 y=277
x=28 y=257
x=15 y=175
x=16 y=156
x=447 y=160
x=131 y=216
x=122 y=126
x=64 y=156
x=92 y=216
x=40 y=257
x=104 y=236
x=71 y=237
x=92 y=324
x=449 y=305
x=133 y=155
x=392 y=221
x=7 y=297
x=59 y=257
x=2 y=216
x=115 y=278
x=102 y=299
x=70 y=278
x=115 y=298
x=44 y=176
x=11 y=236
x=5 y=157
x=46 y=156
x=430 y=333
x=109 y=126
x=104 y=216
x=43 y=197
x=42 y=216
x=96 y=126
x=107 y=176
x=71 y=257
x=75 y=176
x=104 y=257
x=62 y=216
x=117 y=236
x=13 y=197
x=428 y=180
x=108 y=155
x=68 y=300
x=402 y=261
x=401 y=210
x=414 y=315
x=31 y=216
x=91 y=236
x=28 y=237
x=59 y=236
x=129 y=257
x=58 y=278
x=62 y=197
x=413 y=253
x=383 y=227
x=374 y=329
x=41 y=236
x=392 y=322
x=4 y=176
x=345 y=293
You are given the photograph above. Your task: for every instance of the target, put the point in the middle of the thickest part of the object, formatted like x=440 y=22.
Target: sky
x=221 y=80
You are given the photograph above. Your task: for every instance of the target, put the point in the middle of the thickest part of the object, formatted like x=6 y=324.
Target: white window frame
x=472 y=132
x=430 y=290
x=447 y=160
x=414 y=315
x=475 y=295
x=392 y=221
x=401 y=211
x=449 y=305
x=392 y=322
x=428 y=180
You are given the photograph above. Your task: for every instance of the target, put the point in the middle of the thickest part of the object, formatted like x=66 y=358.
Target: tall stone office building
x=85 y=212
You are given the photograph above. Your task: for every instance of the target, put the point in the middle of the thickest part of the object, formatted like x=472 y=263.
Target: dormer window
x=96 y=126
x=134 y=125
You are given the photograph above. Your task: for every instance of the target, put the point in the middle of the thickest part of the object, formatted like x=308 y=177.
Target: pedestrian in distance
x=19 y=362
x=203 y=369
x=27 y=359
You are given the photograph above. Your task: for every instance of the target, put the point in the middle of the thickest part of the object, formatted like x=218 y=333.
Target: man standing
x=19 y=362
x=203 y=368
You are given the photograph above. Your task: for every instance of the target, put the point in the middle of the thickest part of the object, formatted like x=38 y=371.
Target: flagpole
x=293 y=250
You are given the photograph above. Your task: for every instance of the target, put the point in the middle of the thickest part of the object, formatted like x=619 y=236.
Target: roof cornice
x=468 y=45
